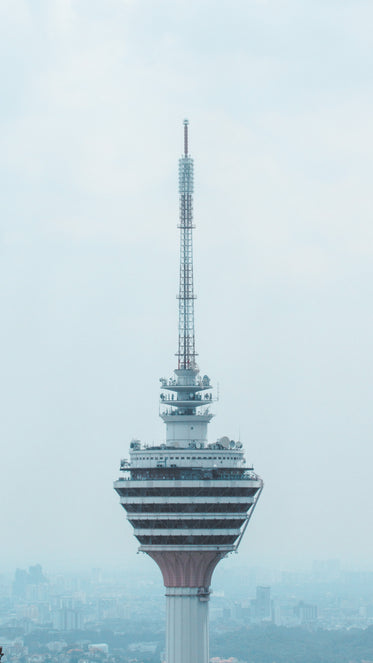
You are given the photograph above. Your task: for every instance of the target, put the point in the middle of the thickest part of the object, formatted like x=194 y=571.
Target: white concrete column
x=187 y=630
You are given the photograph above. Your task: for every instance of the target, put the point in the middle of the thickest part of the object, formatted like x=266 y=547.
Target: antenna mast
x=186 y=349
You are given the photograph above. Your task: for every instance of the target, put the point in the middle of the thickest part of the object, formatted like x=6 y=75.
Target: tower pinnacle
x=186 y=124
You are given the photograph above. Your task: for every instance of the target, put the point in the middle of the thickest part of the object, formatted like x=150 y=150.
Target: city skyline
x=280 y=99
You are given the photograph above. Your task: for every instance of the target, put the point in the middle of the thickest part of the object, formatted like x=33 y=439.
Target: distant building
x=30 y=584
x=263 y=604
x=242 y=612
x=96 y=576
x=226 y=614
x=56 y=646
x=276 y=614
x=143 y=647
x=305 y=612
x=326 y=569
x=67 y=619
x=101 y=647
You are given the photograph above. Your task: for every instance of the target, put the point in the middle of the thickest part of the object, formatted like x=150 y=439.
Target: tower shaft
x=187 y=629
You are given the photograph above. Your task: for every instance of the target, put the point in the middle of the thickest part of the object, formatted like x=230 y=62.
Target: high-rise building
x=67 y=619
x=31 y=584
x=189 y=500
x=305 y=612
x=263 y=603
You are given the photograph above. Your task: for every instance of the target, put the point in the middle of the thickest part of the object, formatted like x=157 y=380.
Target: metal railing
x=182 y=474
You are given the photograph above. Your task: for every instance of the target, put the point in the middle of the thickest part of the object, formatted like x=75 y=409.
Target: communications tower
x=188 y=500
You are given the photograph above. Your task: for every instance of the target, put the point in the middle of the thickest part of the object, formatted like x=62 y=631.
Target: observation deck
x=196 y=384
x=186 y=411
x=188 y=499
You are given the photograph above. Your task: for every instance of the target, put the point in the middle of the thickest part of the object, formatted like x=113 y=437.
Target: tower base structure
x=187 y=577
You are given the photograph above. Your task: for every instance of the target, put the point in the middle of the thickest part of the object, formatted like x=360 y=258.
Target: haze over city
x=279 y=99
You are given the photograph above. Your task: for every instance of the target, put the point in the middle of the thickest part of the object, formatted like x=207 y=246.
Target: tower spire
x=189 y=500
x=186 y=347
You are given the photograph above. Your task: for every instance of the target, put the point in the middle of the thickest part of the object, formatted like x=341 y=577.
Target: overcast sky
x=279 y=98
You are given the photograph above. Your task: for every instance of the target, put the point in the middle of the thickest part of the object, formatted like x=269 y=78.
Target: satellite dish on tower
x=224 y=442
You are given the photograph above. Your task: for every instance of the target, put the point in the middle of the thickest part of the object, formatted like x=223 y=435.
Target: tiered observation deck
x=188 y=499
x=186 y=410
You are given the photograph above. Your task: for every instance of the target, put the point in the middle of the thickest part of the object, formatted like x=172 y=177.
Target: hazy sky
x=279 y=98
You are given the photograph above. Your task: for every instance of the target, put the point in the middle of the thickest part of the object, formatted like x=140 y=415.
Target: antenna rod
x=186 y=348
x=186 y=123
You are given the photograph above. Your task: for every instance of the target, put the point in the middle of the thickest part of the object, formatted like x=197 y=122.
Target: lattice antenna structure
x=187 y=347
